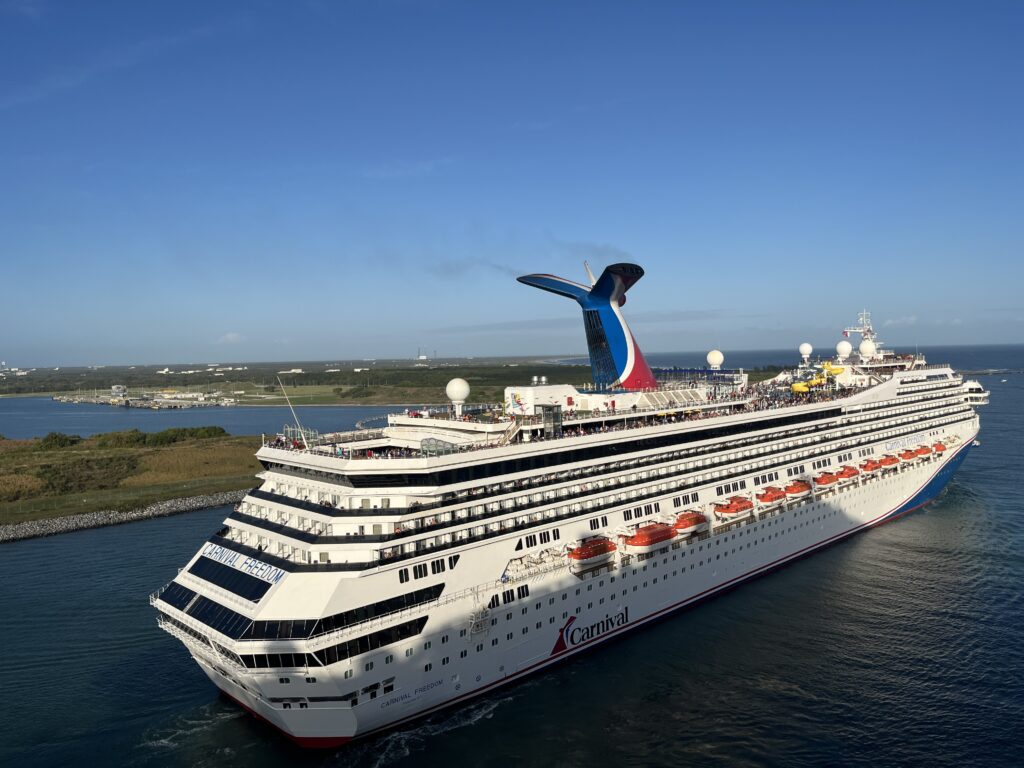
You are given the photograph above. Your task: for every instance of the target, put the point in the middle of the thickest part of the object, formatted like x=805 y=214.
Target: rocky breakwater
x=55 y=525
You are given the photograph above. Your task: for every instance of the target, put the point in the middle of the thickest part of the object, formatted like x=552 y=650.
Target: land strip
x=120 y=473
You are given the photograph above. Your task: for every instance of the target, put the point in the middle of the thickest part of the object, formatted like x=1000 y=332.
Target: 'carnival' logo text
x=570 y=635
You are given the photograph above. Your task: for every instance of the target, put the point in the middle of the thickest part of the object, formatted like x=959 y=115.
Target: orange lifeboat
x=888 y=461
x=737 y=505
x=847 y=473
x=797 y=489
x=923 y=452
x=939 y=448
x=908 y=456
x=690 y=522
x=826 y=480
x=591 y=552
x=649 y=537
x=771 y=497
x=871 y=467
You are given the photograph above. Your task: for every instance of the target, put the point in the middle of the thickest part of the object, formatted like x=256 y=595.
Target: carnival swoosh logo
x=569 y=635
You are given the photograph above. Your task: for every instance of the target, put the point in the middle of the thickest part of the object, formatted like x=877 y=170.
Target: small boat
x=690 y=522
x=871 y=467
x=591 y=552
x=736 y=506
x=797 y=489
x=771 y=497
x=939 y=448
x=826 y=480
x=923 y=452
x=888 y=462
x=648 y=537
x=847 y=474
x=908 y=456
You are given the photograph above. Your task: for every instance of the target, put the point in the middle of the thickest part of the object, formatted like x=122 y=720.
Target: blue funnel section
x=615 y=358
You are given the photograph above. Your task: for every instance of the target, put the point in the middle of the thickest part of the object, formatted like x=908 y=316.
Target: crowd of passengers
x=761 y=396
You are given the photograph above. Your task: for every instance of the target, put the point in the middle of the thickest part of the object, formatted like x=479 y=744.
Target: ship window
x=519 y=545
x=310 y=679
x=508 y=596
x=479 y=647
x=444 y=639
x=426 y=646
x=348 y=674
x=494 y=641
x=462 y=654
x=494 y=602
x=403 y=575
x=408 y=652
x=388 y=659
x=452 y=560
x=427 y=667
x=444 y=661
x=555 y=534
x=419 y=571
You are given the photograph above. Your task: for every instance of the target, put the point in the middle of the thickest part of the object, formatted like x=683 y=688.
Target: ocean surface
x=900 y=646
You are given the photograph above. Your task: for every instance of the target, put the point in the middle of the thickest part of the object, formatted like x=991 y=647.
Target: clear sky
x=272 y=181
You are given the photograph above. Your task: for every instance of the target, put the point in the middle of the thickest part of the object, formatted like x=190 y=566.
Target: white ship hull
x=678 y=576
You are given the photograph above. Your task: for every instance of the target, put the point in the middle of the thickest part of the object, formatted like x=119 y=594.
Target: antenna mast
x=302 y=432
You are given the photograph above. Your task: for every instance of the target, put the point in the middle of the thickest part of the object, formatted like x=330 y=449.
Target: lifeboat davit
x=797 y=489
x=847 y=474
x=939 y=448
x=649 y=537
x=871 y=467
x=771 y=497
x=591 y=552
x=690 y=522
x=826 y=480
x=908 y=456
x=736 y=506
x=888 y=462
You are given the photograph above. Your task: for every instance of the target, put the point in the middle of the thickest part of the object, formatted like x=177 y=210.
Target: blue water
x=24 y=417
x=900 y=646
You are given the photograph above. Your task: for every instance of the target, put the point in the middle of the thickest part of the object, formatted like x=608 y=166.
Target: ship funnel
x=615 y=358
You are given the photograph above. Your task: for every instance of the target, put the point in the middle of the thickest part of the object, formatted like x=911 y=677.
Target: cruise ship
x=377 y=576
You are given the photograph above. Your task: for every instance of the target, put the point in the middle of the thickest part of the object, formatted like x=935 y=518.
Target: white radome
x=715 y=358
x=843 y=349
x=806 y=349
x=867 y=348
x=457 y=390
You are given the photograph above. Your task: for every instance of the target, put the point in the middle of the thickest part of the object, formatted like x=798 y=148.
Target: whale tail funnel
x=615 y=358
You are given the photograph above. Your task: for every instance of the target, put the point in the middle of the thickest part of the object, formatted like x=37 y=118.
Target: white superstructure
x=373 y=577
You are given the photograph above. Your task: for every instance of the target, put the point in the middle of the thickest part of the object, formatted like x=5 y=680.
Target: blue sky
x=273 y=181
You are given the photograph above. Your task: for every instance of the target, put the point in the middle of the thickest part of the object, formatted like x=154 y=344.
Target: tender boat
x=871 y=467
x=888 y=462
x=591 y=552
x=797 y=489
x=648 y=537
x=690 y=522
x=771 y=497
x=939 y=448
x=826 y=480
x=923 y=452
x=908 y=456
x=736 y=506
x=847 y=474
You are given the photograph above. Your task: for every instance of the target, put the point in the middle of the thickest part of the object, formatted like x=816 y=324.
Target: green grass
x=117 y=471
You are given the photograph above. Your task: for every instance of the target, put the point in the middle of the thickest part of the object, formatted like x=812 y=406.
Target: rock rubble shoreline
x=53 y=526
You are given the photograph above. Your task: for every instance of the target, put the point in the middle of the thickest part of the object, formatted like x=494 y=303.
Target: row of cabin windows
x=419 y=571
x=737 y=485
x=523 y=591
x=601 y=522
x=794 y=471
x=509 y=595
x=638 y=512
x=844 y=457
x=686 y=498
x=324 y=557
x=821 y=463
x=545 y=537
x=448 y=477
x=768 y=477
